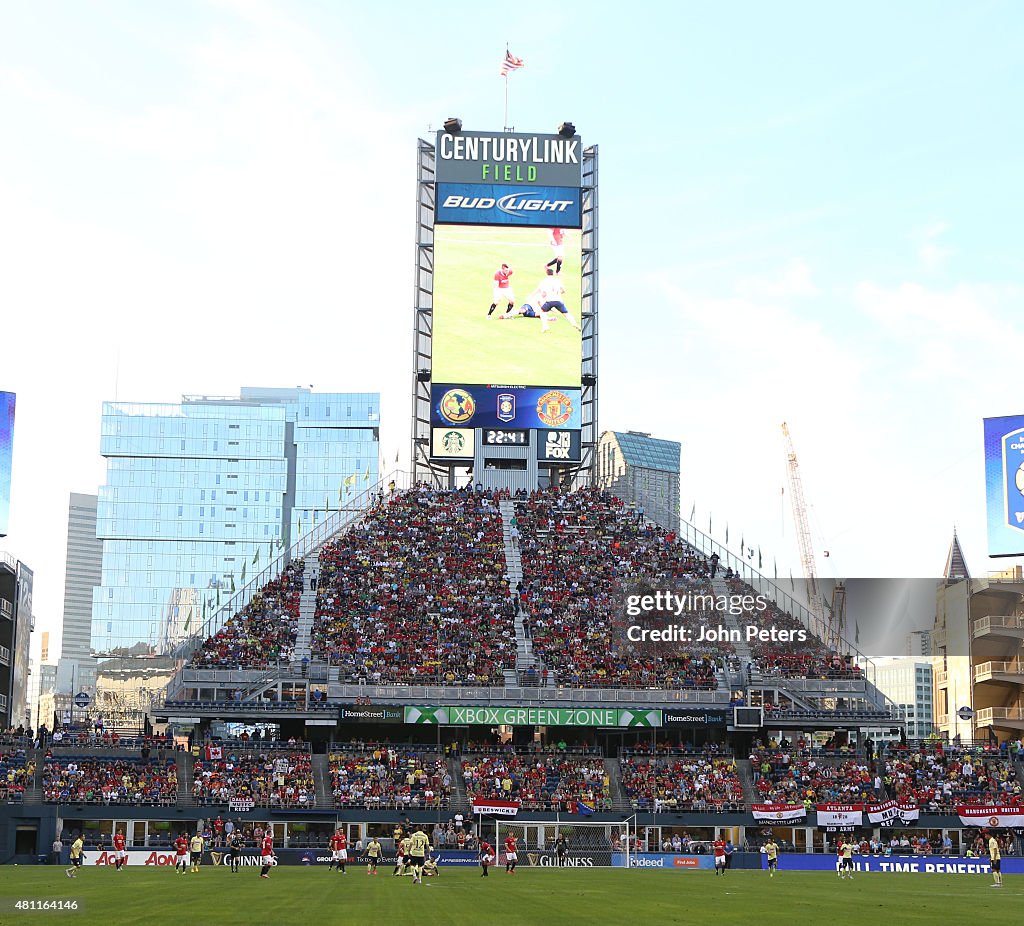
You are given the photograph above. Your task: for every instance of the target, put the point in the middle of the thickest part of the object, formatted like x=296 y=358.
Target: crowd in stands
x=417 y=593
x=16 y=774
x=682 y=782
x=263 y=631
x=580 y=550
x=807 y=658
x=940 y=776
x=270 y=779
x=539 y=781
x=107 y=780
x=780 y=777
x=399 y=777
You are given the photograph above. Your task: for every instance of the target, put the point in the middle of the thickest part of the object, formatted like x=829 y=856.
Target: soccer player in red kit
x=719 y=846
x=502 y=289
x=339 y=851
x=120 y=855
x=486 y=857
x=181 y=854
x=558 y=247
x=267 y=854
x=511 y=856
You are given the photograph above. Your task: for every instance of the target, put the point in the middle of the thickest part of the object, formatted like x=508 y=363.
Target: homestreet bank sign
x=534 y=716
x=508 y=157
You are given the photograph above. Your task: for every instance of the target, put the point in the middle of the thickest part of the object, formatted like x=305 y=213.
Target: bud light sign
x=491 y=204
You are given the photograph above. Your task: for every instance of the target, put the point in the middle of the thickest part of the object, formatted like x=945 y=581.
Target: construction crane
x=830 y=622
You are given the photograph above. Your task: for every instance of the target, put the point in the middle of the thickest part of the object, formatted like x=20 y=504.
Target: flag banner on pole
x=991 y=815
x=256 y=557
x=586 y=808
x=840 y=815
x=891 y=813
x=243 y=572
x=778 y=813
x=693 y=512
x=510 y=64
x=496 y=808
x=214 y=752
x=366 y=477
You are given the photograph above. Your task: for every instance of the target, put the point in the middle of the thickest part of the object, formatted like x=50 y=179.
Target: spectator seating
x=16 y=775
x=580 y=550
x=551 y=781
x=263 y=631
x=681 y=782
x=941 y=776
x=783 y=777
x=109 y=780
x=394 y=777
x=417 y=593
x=270 y=779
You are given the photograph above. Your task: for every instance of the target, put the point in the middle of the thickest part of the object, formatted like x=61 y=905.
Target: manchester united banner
x=497 y=808
x=840 y=816
x=778 y=813
x=992 y=815
x=893 y=813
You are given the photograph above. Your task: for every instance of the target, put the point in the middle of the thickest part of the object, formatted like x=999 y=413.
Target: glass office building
x=196 y=491
x=643 y=471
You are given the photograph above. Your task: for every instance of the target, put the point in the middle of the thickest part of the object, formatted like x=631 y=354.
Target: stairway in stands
x=733 y=680
x=322 y=780
x=525 y=657
x=186 y=767
x=307 y=611
x=620 y=800
x=460 y=798
x=746 y=775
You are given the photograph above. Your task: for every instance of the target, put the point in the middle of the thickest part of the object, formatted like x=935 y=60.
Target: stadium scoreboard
x=506 y=350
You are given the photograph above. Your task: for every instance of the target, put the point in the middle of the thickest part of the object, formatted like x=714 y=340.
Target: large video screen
x=507 y=306
x=6 y=454
x=1004 y=485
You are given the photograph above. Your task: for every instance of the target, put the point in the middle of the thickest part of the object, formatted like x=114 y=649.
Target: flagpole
x=506 y=101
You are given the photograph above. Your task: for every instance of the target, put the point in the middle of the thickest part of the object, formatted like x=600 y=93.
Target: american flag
x=511 y=63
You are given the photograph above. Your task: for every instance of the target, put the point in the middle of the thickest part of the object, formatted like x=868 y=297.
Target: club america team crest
x=457 y=406
x=554 y=408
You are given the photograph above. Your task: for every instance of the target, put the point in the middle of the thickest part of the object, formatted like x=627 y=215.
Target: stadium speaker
x=588 y=379
x=423 y=376
x=566 y=129
x=452 y=125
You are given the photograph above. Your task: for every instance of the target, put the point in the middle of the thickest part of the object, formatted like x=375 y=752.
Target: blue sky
x=808 y=213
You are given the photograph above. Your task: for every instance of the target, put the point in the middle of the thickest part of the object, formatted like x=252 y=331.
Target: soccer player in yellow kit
x=995 y=858
x=771 y=849
x=419 y=844
x=373 y=854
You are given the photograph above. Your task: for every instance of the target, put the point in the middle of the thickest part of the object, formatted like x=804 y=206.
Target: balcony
x=1012 y=672
x=1000 y=716
x=1003 y=626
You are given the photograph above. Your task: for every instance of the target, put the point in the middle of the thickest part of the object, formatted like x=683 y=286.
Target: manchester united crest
x=554 y=408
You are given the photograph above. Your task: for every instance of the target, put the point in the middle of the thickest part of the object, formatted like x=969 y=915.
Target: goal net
x=554 y=844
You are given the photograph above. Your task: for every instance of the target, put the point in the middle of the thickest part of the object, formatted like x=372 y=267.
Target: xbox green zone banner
x=534 y=716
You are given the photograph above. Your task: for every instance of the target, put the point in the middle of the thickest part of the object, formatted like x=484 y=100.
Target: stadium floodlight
x=453 y=125
x=567 y=130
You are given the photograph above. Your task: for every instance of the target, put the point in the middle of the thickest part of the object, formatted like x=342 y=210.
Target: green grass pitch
x=470 y=348
x=311 y=896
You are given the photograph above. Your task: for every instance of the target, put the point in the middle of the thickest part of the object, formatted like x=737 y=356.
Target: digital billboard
x=507 y=305
x=6 y=455
x=508 y=157
x=1004 y=485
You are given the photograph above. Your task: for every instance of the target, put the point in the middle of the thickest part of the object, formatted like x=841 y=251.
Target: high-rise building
x=978 y=649
x=642 y=471
x=919 y=644
x=16 y=626
x=198 y=492
x=76 y=669
x=909 y=684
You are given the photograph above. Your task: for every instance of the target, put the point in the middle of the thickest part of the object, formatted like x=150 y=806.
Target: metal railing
x=989 y=715
x=994 y=623
x=985 y=670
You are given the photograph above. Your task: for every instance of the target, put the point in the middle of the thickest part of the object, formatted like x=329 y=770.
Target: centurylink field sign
x=534 y=716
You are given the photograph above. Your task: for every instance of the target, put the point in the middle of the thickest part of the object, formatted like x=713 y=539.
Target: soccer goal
x=554 y=844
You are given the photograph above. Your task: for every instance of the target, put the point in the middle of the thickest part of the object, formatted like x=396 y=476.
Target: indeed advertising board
x=1004 y=484
x=664 y=861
